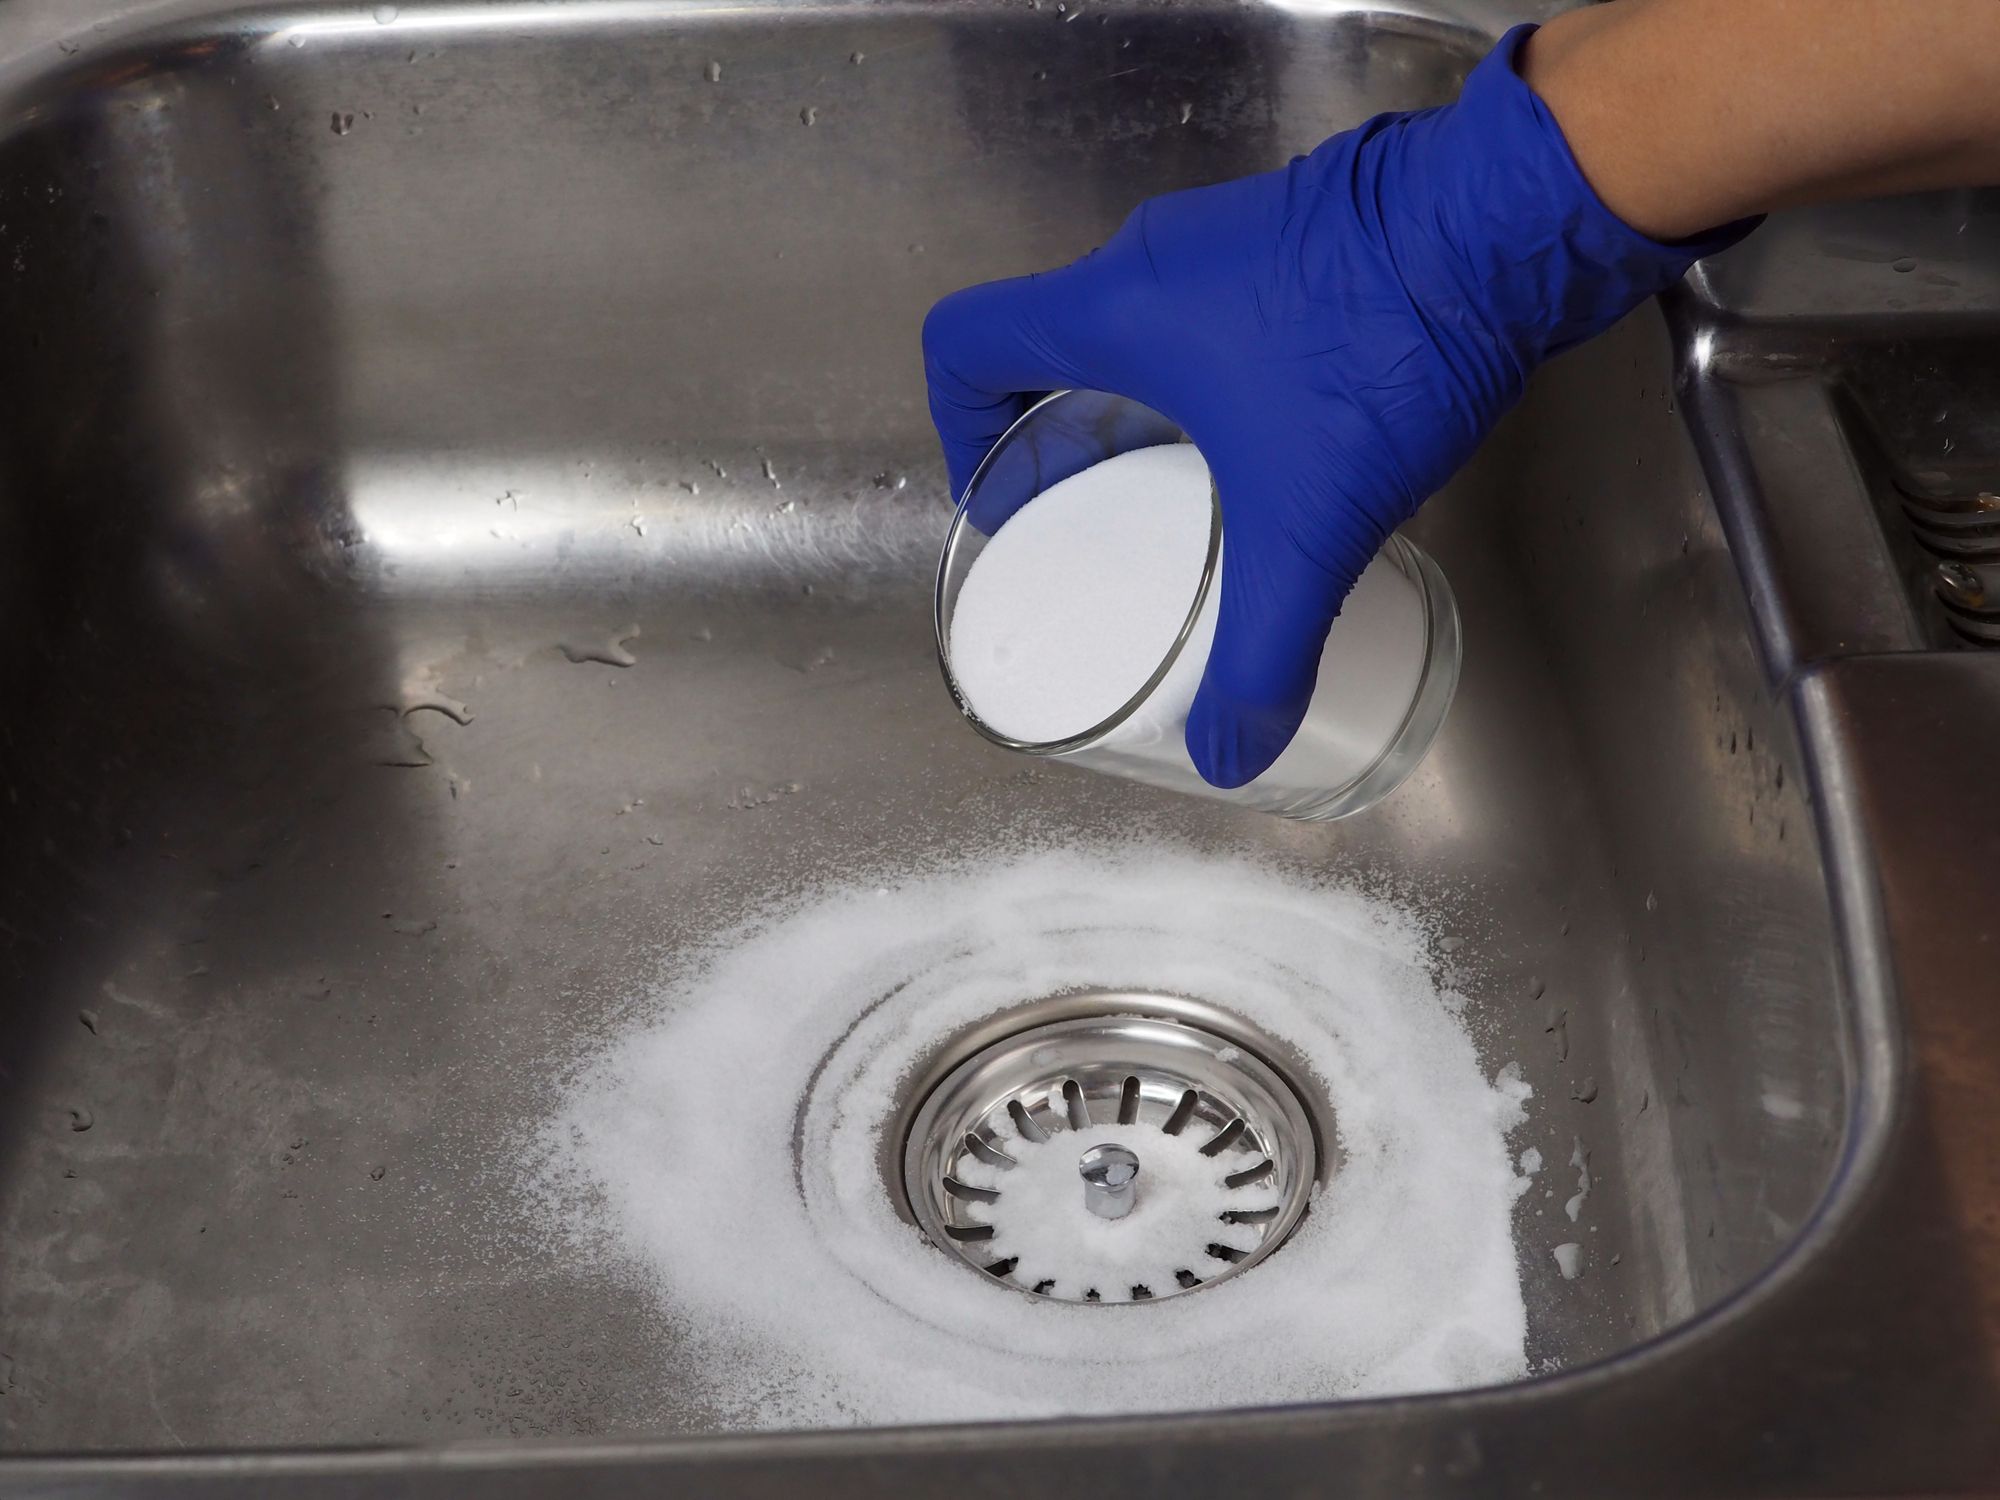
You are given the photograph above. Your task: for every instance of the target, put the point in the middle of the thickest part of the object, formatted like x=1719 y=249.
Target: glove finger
x=987 y=350
x=1271 y=625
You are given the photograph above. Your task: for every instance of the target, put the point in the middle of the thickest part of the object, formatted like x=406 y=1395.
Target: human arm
x=1687 y=113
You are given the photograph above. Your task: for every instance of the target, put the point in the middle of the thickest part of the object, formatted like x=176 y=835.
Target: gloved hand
x=1336 y=337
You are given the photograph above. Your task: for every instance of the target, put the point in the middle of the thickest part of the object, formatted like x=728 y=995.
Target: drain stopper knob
x=1110 y=1180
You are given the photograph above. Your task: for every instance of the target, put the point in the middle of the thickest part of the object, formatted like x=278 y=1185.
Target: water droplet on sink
x=771 y=473
x=297 y=39
x=81 y=1119
x=809 y=116
x=608 y=650
x=807 y=661
x=857 y=58
x=1904 y=264
x=1187 y=113
x=638 y=524
x=703 y=633
x=1558 y=1027
x=342 y=123
x=418 y=699
x=1652 y=902
x=1569 y=1260
x=89 y=1020
x=713 y=72
x=751 y=796
x=384 y=14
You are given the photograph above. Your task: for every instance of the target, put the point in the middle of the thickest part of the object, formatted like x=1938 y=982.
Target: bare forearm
x=1685 y=114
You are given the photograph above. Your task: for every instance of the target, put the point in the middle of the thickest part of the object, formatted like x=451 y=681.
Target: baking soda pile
x=724 y=1150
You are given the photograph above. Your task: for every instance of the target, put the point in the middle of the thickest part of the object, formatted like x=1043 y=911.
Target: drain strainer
x=1111 y=1158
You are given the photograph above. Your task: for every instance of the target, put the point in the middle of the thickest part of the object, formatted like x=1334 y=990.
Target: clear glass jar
x=1386 y=677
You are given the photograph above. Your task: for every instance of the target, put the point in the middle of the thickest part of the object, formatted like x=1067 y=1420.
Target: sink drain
x=1113 y=1156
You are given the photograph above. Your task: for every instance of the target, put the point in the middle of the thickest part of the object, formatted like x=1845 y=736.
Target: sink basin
x=467 y=516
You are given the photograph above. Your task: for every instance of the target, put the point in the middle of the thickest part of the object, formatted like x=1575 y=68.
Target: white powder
x=1080 y=595
x=802 y=1299
x=1077 y=599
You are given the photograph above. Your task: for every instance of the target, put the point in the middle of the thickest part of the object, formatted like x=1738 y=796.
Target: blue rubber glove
x=1337 y=337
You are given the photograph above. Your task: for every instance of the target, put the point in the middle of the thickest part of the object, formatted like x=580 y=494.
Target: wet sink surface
x=378 y=362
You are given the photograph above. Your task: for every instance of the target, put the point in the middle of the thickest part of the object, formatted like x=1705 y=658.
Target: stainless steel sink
x=466 y=519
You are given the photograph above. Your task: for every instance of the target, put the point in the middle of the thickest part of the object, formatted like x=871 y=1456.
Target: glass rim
x=941 y=625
